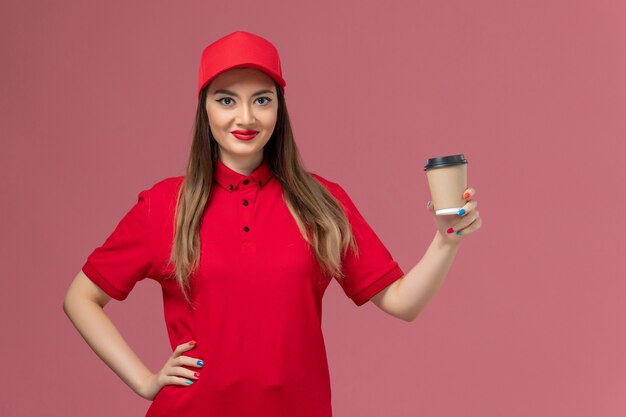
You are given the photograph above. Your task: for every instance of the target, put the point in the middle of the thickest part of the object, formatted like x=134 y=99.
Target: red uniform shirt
x=258 y=295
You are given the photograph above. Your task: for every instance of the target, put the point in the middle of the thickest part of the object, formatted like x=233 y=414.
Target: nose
x=246 y=115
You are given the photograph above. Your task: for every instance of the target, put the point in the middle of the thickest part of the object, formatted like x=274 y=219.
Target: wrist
x=446 y=242
x=146 y=387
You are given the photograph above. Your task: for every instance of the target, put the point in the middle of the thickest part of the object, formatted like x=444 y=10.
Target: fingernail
x=196 y=374
x=193 y=342
x=189 y=382
x=466 y=195
x=450 y=230
x=458 y=233
x=200 y=363
x=461 y=212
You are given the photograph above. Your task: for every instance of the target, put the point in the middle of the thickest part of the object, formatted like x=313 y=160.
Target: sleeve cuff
x=101 y=282
x=377 y=286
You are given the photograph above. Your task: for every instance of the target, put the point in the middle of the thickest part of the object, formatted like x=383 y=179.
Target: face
x=242 y=99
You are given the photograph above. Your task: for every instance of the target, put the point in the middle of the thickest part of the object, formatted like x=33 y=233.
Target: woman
x=244 y=246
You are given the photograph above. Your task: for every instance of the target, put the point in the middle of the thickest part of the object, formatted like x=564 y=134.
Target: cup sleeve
x=374 y=269
x=125 y=257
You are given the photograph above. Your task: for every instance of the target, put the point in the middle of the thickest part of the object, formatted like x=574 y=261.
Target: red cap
x=239 y=49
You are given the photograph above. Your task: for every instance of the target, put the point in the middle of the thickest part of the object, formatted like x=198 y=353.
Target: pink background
x=97 y=102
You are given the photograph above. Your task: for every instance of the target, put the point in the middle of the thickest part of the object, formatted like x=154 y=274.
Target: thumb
x=430 y=206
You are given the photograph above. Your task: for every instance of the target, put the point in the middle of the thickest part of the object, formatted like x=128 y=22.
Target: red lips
x=245 y=132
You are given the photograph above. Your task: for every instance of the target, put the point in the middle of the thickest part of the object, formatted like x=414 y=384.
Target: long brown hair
x=318 y=214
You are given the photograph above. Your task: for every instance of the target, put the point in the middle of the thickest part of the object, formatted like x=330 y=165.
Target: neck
x=242 y=165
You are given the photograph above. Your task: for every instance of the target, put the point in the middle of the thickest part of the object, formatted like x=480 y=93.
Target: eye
x=266 y=98
x=223 y=98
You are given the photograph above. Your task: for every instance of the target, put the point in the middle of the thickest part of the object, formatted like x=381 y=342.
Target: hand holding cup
x=452 y=206
x=454 y=228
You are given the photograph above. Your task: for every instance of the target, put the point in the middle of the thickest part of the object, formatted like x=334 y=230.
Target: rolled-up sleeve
x=125 y=257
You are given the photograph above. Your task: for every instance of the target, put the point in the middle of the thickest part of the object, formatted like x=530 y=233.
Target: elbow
x=409 y=316
x=408 y=319
x=67 y=301
x=404 y=317
x=72 y=302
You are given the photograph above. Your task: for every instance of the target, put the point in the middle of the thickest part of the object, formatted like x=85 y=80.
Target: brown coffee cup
x=447 y=180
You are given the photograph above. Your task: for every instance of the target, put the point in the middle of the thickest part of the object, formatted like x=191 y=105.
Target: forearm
x=106 y=341
x=419 y=285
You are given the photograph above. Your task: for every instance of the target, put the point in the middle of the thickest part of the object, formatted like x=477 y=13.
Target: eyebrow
x=232 y=93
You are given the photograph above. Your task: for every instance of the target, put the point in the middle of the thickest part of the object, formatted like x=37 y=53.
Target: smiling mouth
x=242 y=136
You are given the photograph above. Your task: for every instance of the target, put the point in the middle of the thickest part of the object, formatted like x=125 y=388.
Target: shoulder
x=165 y=186
x=334 y=188
x=327 y=183
x=163 y=193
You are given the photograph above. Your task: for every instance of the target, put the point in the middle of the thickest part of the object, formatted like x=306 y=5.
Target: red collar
x=230 y=179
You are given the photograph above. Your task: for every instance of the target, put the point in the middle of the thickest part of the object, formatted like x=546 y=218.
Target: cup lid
x=443 y=161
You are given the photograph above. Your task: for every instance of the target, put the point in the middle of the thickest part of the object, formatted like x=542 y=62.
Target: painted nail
x=450 y=230
x=461 y=212
x=458 y=233
x=193 y=342
x=466 y=195
x=196 y=374
x=189 y=382
x=200 y=362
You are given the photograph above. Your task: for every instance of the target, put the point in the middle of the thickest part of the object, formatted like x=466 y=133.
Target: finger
x=469 y=193
x=467 y=208
x=176 y=380
x=475 y=225
x=466 y=221
x=189 y=361
x=183 y=348
x=184 y=372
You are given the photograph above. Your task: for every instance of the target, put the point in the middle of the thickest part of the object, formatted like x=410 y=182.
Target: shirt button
x=246 y=182
x=230 y=187
x=245 y=202
x=246 y=229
